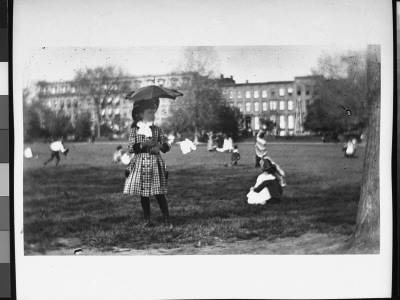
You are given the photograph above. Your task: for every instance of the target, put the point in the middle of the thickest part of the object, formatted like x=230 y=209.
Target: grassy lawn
x=81 y=200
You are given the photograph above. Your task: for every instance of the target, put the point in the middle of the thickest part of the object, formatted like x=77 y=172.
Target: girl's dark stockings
x=145 y=201
x=162 y=202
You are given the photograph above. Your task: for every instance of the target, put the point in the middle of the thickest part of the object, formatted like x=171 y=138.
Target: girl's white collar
x=144 y=128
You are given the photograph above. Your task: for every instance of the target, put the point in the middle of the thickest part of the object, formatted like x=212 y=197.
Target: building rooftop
x=308 y=77
x=126 y=77
x=258 y=83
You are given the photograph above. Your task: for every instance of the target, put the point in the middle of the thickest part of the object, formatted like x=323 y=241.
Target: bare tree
x=202 y=63
x=203 y=60
x=99 y=83
x=199 y=109
x=341 y=102
x=365 y=238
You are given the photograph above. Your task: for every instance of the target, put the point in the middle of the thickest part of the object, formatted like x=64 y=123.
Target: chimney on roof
x=247 y=81
x=222 y=76
x=231 y=77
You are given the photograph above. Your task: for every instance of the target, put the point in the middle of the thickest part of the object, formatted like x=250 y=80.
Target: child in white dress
x=349 y=148
x=117 y=154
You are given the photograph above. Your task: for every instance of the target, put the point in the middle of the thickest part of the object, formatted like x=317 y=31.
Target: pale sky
x=256 y=63
x=256 y=40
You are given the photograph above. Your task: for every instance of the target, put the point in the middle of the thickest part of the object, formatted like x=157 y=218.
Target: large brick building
x=283 y=102
x=72 y=99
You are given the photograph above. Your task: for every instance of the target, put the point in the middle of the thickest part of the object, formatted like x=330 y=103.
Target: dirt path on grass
x=306 y=244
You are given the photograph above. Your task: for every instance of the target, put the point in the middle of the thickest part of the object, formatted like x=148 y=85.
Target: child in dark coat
x=235 y=157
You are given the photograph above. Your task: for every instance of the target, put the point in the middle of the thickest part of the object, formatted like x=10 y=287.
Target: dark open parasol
x=151 y=92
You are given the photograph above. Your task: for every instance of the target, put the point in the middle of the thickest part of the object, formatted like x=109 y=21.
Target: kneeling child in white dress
x=267 y=186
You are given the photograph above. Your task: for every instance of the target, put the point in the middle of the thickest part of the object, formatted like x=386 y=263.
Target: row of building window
x=109 y=111
x=59 y=89
x=173 y=82
x=68 y=89
x=74 y=103
x=264 y=93
x=68 y=103
x=62 y=89
x=115 y=100
x=75 y=115
x=283 y=124
x=273 y=105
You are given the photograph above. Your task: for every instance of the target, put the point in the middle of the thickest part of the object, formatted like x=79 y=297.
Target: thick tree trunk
x=366 y=237
x=98 y=130
x=98 y=121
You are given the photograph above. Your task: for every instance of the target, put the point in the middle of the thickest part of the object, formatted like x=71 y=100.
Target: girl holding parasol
x=147 y=174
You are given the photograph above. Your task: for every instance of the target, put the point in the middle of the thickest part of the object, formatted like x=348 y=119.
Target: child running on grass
x=147 y=173
x=56 y=147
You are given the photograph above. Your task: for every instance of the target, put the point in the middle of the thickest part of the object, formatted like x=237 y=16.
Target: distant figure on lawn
x=117 y=154
x=187 y=146
x=267 y=187
x=28 y=153
x=122 y=156
x=220 y=140
x=147 y=173
x=56 y=147
x=227 y=145
x=349 y=148
x=171 y=138
x=126 y=158
x=260 y=147
x=235 y=157
x=211 y=142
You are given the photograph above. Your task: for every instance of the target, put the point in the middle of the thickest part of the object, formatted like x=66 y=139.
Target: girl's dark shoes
x=149 y=224
x=274 y=201
x=168 y=224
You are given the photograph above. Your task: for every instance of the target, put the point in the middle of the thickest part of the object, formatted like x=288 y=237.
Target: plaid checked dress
x=147 y=175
